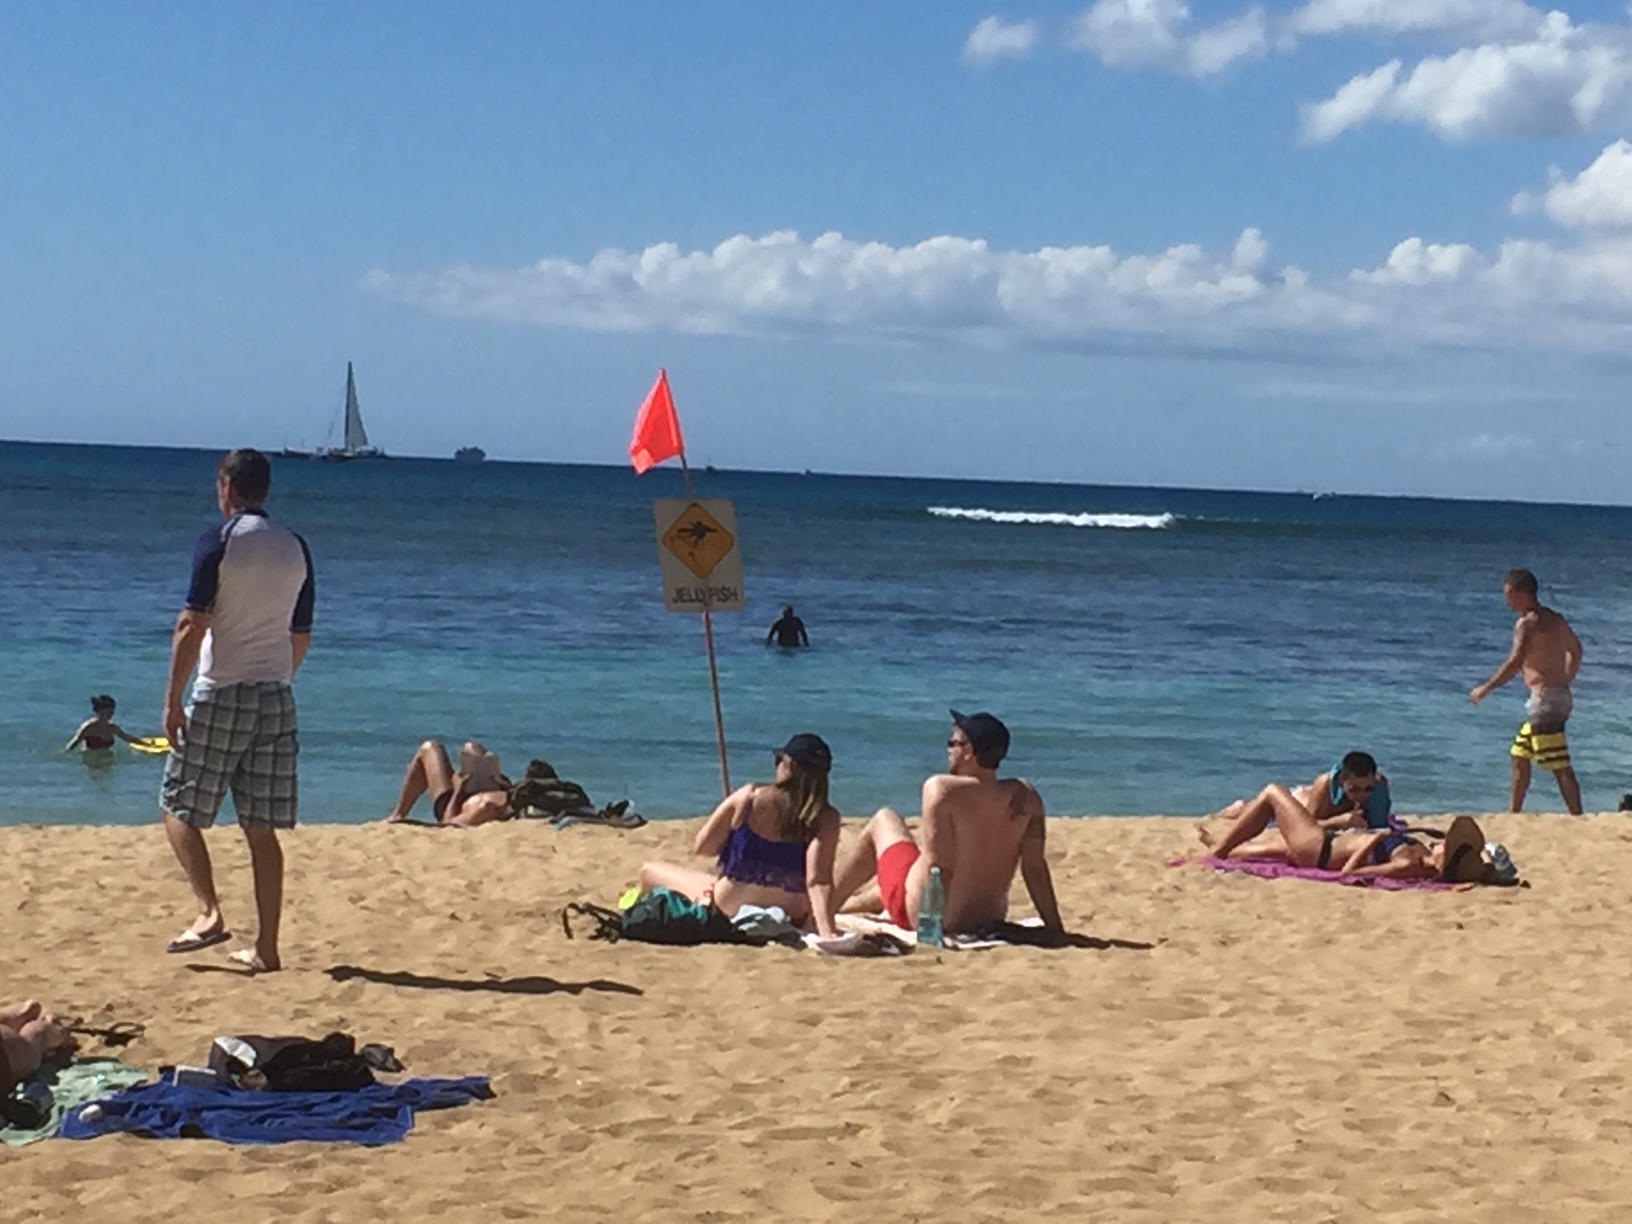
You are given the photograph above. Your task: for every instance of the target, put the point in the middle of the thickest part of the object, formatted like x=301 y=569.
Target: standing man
x=789 y=630
x=1547 y=651
x=246 y=624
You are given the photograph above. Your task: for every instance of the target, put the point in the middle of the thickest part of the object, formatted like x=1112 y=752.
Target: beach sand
x=1234 y=1049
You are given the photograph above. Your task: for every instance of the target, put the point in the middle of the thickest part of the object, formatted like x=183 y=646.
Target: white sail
x=356 y=435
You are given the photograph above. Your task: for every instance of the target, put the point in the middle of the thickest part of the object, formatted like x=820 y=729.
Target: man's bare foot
x=394 y=817
x=16 y=1017
x=252 y=961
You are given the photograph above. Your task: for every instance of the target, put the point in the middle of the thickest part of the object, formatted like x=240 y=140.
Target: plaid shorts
x=241 y=737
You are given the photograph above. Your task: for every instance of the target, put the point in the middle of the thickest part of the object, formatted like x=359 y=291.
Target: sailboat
x=356 y=440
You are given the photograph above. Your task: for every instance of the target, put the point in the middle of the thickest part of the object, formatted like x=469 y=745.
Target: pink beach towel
x=1278 y=869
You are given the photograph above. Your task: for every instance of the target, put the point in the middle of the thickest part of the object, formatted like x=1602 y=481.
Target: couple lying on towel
x=478 y=793
x=778 y=844
x=29 y=1037
x=1342 y=822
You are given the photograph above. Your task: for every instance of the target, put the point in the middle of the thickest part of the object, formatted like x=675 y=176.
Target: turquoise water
x=1153 y=650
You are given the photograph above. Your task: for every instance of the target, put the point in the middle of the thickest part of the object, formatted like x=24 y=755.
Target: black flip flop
x=191 y=941
x=120 y=1033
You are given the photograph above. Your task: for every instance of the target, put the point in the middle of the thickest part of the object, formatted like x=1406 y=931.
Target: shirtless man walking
x=1547 y=652
x=979 y=829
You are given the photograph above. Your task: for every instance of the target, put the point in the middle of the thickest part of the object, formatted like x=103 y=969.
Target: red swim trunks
x=893 y=866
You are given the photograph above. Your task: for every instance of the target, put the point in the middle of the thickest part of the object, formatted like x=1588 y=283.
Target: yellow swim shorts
x=1547 y=748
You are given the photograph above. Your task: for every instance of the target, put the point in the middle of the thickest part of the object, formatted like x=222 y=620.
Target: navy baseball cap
x=808 y=750
x=985 y=732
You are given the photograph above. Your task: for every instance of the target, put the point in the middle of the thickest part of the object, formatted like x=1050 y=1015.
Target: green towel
x=81 y=1082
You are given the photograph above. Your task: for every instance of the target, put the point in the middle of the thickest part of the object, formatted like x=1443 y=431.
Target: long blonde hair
x=806 y=793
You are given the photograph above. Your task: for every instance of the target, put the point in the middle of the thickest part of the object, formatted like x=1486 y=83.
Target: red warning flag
x=657 y=427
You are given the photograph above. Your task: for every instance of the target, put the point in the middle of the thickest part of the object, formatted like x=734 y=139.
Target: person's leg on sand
x=884 y=855
x=266 y=862
x=430 y=771
x=1569 y=789
x=1296 y=825
x=1520 y=785
x=855 y=887
x=194 y=857
x=197 y=776
x=21 y=1014
x=266 y=794
x=36 y=1041
x=685 y=880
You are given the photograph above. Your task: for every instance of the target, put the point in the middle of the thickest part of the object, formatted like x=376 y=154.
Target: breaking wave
x=1119 y=521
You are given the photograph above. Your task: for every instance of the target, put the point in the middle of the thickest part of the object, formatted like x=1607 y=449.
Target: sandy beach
x=1229 y=1049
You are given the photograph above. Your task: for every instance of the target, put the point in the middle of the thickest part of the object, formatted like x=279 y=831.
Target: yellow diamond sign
x=699 y=539
x=698 y=554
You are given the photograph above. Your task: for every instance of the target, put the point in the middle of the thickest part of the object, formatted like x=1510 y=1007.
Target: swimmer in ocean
x=789 y=630
x=99 y=730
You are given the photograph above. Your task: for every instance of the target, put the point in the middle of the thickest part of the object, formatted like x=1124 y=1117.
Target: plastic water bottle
x=931 y=910
x=1501 y=863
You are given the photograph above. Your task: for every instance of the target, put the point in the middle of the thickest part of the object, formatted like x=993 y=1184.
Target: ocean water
x=1153 y=650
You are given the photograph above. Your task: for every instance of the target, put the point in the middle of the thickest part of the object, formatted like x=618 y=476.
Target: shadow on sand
x=536 y=985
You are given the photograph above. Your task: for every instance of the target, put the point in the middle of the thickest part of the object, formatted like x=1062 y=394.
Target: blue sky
x=1363 y=245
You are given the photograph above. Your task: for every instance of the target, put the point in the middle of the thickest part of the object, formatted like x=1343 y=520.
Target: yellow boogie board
x=151 y=744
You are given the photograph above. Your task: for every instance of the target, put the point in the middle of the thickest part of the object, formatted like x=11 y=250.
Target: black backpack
x=291 y=1064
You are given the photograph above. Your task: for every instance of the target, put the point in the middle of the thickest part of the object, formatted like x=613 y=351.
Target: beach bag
x=542 y=795
x=291 y=1064
x=662 y=916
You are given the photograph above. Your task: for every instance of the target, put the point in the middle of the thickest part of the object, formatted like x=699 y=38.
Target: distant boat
x=290 y=452
x=469 y=454
x=356 y=440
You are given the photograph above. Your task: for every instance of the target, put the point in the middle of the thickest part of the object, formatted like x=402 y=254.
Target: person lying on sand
x=773 y=844
x=29 y=1036
x=476 y=794
x=1351 y=795
x=1303 y=841
x=979 y=829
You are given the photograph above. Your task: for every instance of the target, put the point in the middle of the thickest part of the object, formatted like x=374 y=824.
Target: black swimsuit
x=1380 y=853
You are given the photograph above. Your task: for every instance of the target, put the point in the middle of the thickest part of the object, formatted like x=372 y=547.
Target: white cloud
x=1415 y=262
x=1159 y=34
x=993 y=40
x=1085 y=298
x=1599 y=198
x=1564 y=79
x=1488 y=20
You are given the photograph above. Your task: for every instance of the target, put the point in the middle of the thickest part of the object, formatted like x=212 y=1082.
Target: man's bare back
x=976 y=830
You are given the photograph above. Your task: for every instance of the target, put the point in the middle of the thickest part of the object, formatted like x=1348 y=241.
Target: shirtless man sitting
x=977 y=828
x=477 y=794
x=1547 y=651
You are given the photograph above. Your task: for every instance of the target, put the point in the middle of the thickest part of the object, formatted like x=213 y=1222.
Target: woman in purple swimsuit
x=773 y=844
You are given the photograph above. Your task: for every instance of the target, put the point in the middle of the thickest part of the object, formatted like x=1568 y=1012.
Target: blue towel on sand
x=379 y=1113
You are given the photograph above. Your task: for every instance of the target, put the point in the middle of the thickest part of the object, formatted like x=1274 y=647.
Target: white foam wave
x=1120 y=521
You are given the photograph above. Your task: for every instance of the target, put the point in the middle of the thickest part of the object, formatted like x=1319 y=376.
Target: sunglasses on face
x=957 y=743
